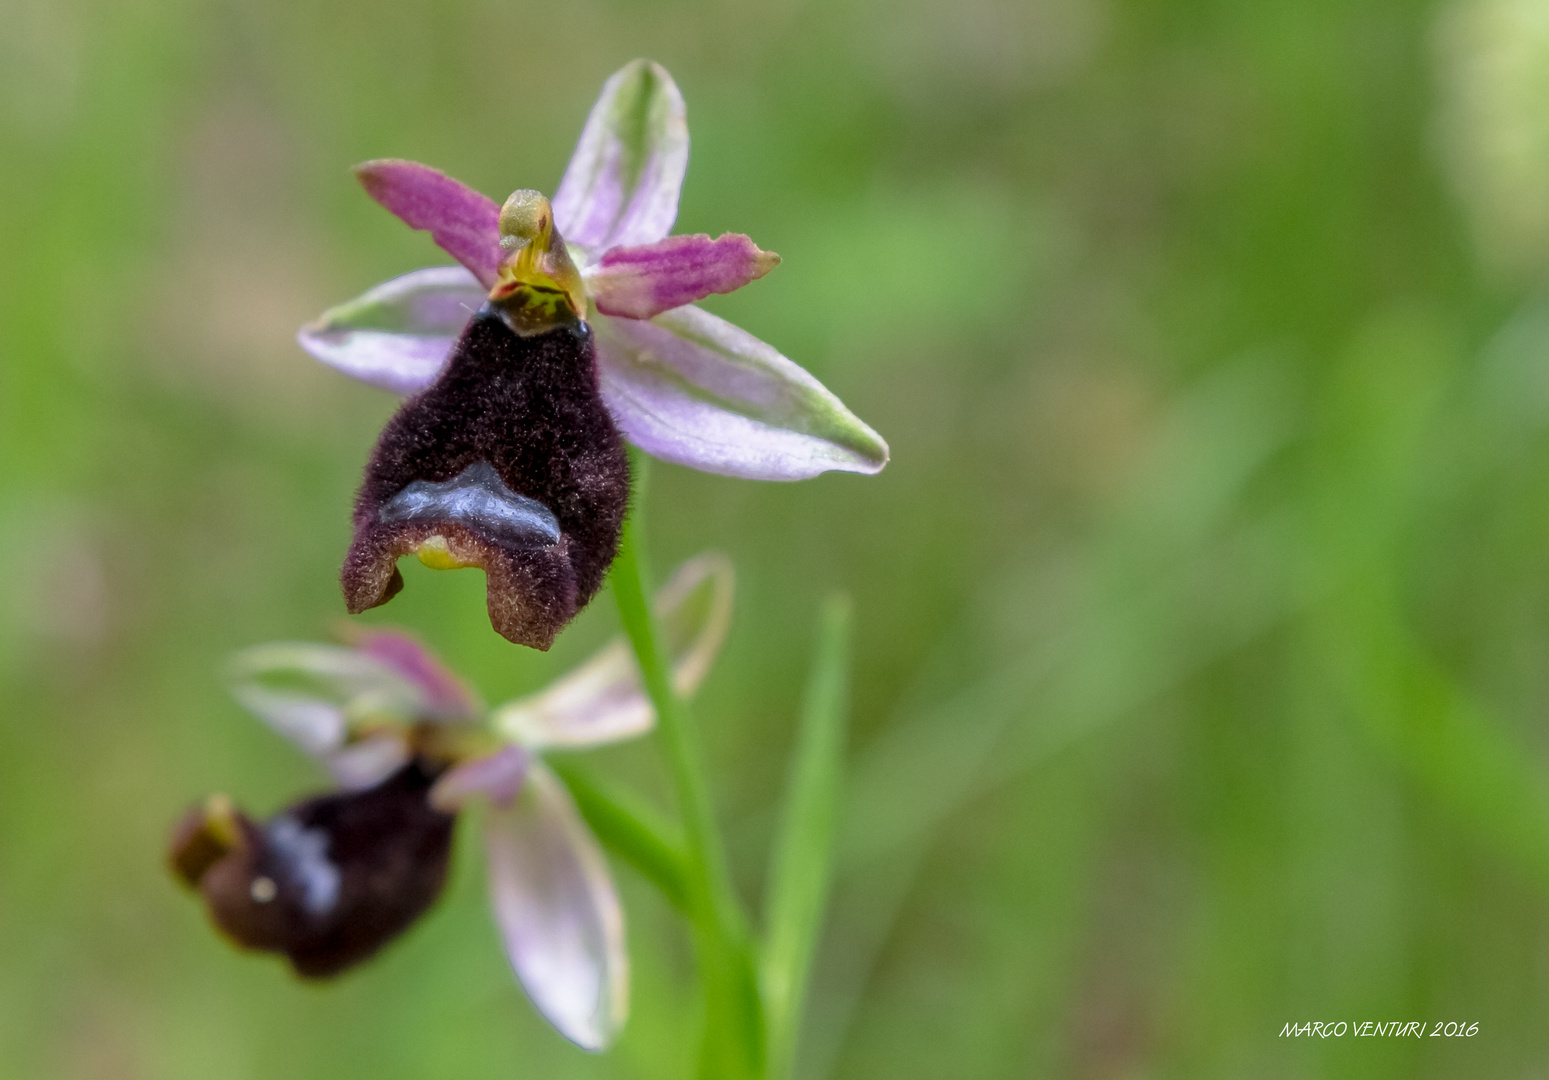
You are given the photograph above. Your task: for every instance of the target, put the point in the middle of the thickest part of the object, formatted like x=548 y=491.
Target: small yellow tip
x=220 y=819
x=203 y=838
x=526 y=216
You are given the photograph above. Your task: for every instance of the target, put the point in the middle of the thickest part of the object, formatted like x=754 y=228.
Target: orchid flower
x=327 y=881
x=566 y=327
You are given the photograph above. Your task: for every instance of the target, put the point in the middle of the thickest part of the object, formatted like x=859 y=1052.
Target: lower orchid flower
x=532 y=363
x=327 y=881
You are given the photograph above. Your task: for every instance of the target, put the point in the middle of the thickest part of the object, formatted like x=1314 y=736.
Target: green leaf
x=802 y=859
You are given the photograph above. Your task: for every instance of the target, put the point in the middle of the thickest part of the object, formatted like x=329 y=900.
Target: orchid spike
x=329 y=880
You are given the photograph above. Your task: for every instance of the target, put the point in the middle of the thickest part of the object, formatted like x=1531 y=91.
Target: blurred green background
x=1203 y=642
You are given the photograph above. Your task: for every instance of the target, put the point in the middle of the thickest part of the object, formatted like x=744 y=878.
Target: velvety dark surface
x=390 y=849
x=529 y=406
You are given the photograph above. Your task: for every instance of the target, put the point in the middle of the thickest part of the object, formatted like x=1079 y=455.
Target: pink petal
x=622 y=184
x=597 y=703
x=462 y=222
x=445 y=695
x=558 y=912
x=602 y=701
x=307 y=692
x=693 y=389
x=646 y=280
x=498 y=777
x=367 y=763
x=399 y=334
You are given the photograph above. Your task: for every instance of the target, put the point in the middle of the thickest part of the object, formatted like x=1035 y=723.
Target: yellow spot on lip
x=436 y=553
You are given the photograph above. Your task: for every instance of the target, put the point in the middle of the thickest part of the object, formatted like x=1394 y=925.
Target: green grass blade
x=1433 y=729
x=802 y=858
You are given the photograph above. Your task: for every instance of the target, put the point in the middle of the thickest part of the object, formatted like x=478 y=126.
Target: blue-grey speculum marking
x=476 y=497
x=303 y=853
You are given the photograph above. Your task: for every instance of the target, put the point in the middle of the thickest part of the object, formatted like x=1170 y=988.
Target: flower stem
x=733 y=1047
x=629 y=831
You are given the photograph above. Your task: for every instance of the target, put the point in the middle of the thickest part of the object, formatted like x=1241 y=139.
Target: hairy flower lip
x=512 y=417
x=530 y=594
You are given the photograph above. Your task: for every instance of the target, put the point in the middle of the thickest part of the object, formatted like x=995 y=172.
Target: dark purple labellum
x=509 y=461
x=327 y=881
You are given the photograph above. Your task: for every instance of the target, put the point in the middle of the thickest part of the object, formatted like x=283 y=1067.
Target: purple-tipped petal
x=464 y=223
x=622 y=184
x=602 y=701
x=365 y=764
x=638 y=282
x=314 y=694
x=558 y=912
x=399 y=334
x=350 y=710
x=598 y=702
x=498 y=777
x=693 y=389
x=446 y=697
